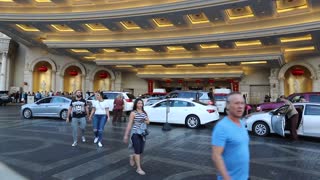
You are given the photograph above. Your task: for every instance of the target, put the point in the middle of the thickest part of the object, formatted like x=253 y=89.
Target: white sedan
x=182 y=111
x=263 y=123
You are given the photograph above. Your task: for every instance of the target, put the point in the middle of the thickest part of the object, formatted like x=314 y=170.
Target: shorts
x=137 y=143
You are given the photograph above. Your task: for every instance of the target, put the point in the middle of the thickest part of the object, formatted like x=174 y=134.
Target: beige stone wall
x=131 y=81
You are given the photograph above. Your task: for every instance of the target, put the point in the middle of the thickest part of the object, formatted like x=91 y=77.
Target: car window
x=178 y=103
x=93 y=97
x=312 y=110
x=295 y=98
x=110 y=95
x=59 y=100
x=161 y=104
x=314 y=98
x=220 y=97
x=45 y=100
x=130 y=96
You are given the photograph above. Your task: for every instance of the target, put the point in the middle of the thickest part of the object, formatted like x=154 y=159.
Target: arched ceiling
x=136 y=34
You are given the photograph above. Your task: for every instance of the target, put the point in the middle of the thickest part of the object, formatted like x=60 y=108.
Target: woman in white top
x=100 y=110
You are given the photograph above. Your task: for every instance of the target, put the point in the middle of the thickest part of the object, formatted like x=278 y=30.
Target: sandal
x=132 y=160
x=141 y=172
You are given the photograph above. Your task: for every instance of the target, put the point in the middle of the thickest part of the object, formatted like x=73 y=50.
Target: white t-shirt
x=100 y=107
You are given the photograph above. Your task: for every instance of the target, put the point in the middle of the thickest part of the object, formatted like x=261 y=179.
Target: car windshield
x=220 y=97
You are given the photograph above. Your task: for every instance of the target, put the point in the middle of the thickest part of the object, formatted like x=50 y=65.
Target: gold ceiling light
x=28 y=28
x=144 y=49
x=90 y=57
x=307 y=48
x=162 y=22
x=290 y=5
x=217 y=64
x=43 y=1
x=185 y=65
x=248 y=43
x=124 y=66
x=209 y=46
x=254 y=62
x=298 y=38
x=79 y=50
x=239 y=13
x=6 y=0
x=175 y=48
x=129 y=25
x=96 y=27
x=154 y=66
x=110 y=50
x=198 y=18
x=61 y=28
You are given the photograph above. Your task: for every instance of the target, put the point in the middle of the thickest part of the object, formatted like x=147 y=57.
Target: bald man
x=230 y=142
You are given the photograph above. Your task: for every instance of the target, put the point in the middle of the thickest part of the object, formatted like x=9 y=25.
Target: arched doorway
x=72 y=79
x=297 y=79
x=102 y=81
x=42 y=77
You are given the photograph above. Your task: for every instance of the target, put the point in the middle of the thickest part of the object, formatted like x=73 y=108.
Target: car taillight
x=210 y=110
x=129 y=100
x=210 y=103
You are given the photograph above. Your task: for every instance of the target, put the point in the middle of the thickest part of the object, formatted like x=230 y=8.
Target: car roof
x=305 y=103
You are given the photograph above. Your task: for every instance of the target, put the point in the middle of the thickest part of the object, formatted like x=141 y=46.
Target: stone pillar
x=3 y=72
x=83 y=79
x=117 y=81
x=53 y=81
x=274 y=84
x=281 y=86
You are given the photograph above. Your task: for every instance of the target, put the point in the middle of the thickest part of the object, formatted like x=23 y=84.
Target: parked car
x=150 y=101
x=182 y=111
x=296 y=97
x=109 y=96
x=201 y=96
x=4 y=98
x=55 y=106
x=264 y=123
x=152 y=96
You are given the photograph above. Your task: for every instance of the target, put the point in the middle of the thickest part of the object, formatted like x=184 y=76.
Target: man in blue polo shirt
x=230 y=142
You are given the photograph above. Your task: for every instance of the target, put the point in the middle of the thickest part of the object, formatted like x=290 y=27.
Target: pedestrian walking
x=79 y=109
x=100 y=110
x=230 y=142
x=118 y=106
x=137 y=124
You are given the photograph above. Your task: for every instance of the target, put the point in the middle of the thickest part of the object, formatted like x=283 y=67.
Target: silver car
x=55 y=106
x=263 y=123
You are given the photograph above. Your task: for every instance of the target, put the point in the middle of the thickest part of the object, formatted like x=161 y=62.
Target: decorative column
x=53 y=81
x=274 y=84
x=281 y=86
x=3 y=72
x=83 y=79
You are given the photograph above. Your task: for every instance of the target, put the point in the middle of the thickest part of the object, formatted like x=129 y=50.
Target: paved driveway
x=41 y=149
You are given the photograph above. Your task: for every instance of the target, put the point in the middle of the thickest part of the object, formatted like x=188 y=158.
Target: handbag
x=143 y=130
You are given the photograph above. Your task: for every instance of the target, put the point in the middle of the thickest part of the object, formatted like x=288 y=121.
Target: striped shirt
x=139 y=118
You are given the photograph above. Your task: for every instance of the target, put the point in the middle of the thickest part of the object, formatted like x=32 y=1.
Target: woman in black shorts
x=137 y=117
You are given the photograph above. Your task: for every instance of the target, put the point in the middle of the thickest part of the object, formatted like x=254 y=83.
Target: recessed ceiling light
x=144 y=49
x=254 y=62
x=208 y=46
x=175 y=48
x=308 y=48
x=62 y=28
x=248 y=43
x=96 y=27
x=28 y=28
x=293 y=39
x=80 y=50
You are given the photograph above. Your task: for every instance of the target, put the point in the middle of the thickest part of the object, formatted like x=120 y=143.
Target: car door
x=55 y=106
x=157 y=112
x=278 y=120
x=41 y=107
x=179 y=110
x=311 y=120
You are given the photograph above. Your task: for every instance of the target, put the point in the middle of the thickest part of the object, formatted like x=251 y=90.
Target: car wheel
x=64 y=114
x=27 y=113
x=261 y=129
x=192 y=121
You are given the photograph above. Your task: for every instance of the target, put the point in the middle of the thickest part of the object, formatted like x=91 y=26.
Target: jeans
x=74 y=124
x=99 y=121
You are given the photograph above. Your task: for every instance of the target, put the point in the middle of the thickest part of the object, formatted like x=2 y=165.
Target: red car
x=296 y=97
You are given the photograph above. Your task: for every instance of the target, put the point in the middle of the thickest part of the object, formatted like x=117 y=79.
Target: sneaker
x=83 y=139
x=74 y=144
x=99 y=144
x=95 y=140
x=141 y=172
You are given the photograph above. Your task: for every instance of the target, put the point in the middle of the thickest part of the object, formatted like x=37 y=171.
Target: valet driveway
x=41 y=149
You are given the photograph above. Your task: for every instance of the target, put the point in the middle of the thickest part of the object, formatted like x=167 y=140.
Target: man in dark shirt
x=79 y=109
